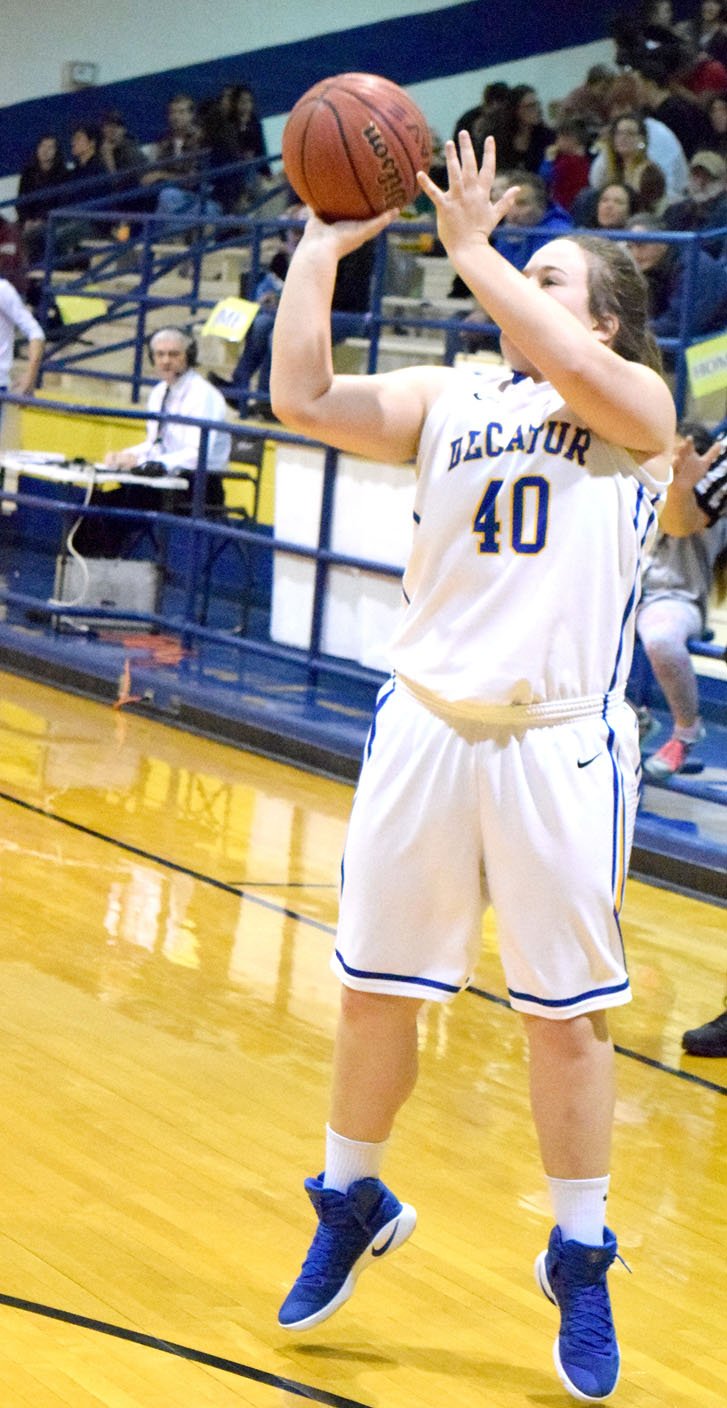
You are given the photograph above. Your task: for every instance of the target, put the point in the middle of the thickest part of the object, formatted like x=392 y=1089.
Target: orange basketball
x=352 y=146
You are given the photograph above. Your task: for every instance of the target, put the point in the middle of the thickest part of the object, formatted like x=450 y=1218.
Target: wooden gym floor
x=166 y=1018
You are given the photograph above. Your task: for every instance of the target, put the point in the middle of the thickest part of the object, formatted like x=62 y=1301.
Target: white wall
x=130 y=37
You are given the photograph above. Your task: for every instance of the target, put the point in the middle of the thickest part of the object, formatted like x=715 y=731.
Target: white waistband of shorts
x=550 y=711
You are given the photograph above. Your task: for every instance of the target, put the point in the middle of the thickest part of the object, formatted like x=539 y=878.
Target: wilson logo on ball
x=390 y=178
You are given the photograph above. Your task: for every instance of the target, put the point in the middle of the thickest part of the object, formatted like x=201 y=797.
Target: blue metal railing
x=148 y=263
x=198 y=531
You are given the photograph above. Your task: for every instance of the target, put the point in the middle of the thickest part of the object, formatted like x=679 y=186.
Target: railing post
x=199 y=499
x=147 y=258
x=378 y=284
x=325 y=526
x=689 y=292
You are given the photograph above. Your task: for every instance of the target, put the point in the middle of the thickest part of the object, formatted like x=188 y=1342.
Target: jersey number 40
x=528 y=517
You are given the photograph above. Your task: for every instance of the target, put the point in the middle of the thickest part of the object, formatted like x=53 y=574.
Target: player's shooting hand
x=466 y=213
x=346 y=235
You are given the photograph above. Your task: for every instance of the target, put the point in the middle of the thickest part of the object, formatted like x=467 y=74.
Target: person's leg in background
x=708 y=1040
x=175 y=201
x=256 y=357
x=665 y=625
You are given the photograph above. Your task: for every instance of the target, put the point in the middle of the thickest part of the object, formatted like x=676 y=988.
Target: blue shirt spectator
x=665 y=268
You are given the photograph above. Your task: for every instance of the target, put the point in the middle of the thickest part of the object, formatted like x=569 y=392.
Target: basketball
x=352 y=146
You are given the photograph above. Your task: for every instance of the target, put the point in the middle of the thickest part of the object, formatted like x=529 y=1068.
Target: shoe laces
x=588 y=1318
x=329 y=1253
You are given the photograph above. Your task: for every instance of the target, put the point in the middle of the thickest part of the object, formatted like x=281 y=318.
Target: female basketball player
x=501 y=763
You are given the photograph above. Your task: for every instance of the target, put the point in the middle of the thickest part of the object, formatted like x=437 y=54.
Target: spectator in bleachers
x=250 y=137
x=705 y=207
x=566 y=163
x=118 y=151
x=664 y=266
x=38 y=187
x=711 y=30
x=86 y=152
x=520 y=134
x=531 y=208
x=646 y=31
x=607 y=209
x=220 y=147
x=176 y=158
x=662 y=145
x=591 y=100
x=703 y=77
x=177 y=149
x=716 y=111
x=673 y=609
x=657 y=91
x=624 y=157
x=177 y=166
x=480 y=121
x=87 y=178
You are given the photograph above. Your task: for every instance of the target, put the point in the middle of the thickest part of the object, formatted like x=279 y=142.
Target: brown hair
x=616 y=286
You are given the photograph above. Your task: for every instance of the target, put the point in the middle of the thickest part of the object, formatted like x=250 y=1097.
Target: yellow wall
x=92 y=437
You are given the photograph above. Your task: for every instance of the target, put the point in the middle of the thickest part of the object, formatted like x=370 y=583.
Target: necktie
x=162 y=425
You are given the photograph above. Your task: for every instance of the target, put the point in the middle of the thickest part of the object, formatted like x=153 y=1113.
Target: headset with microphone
x=190 y=346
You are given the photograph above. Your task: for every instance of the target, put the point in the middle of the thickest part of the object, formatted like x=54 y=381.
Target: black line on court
x=627 y=1051
x=241 y=893
x=223 y=885
x=183 y=1351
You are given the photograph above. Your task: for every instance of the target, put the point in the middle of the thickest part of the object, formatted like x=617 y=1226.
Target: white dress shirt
x=177 y=446
x=14 y=315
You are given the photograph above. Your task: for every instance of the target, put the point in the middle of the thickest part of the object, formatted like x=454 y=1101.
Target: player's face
x=170 y=358
x=560 y=269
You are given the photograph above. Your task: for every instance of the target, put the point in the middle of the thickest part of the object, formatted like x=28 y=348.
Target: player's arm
x=621 y=401
x=379 y=416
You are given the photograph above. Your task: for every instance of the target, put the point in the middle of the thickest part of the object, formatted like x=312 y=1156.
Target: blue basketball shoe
x=573 y=1277
x=354 y=1229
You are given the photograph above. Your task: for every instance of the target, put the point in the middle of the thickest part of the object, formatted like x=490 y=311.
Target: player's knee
x=571 y=1037
x=377 y=1008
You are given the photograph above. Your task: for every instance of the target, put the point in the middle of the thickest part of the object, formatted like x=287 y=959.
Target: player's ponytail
x=617 y=287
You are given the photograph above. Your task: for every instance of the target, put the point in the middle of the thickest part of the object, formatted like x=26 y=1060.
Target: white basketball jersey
x=528 y=542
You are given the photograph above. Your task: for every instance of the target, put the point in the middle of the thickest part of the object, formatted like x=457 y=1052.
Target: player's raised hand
x=466 y=213
x=346 y=235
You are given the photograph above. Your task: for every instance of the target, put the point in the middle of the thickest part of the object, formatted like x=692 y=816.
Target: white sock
x=691 y=734
x=347 y=1160
x=579 y=1205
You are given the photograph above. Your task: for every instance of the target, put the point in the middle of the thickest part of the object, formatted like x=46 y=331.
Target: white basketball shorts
x=451 y=816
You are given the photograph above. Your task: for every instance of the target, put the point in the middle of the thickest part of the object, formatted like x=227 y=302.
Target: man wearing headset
x=183 y=391
x=169 y=447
